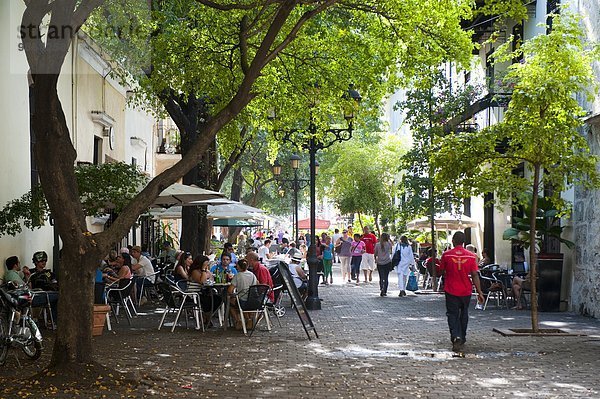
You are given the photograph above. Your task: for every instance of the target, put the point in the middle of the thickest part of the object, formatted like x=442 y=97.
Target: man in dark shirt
x=41 y=277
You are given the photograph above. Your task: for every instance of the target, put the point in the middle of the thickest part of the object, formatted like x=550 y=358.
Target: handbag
x=396 y=258
x=338 y=249
x=412 y=282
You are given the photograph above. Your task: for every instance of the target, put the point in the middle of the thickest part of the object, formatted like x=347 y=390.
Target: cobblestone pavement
x=368 y=346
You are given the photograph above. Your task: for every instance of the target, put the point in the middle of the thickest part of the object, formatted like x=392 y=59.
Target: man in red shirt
x=367 y=265
x=459 y=268
x=261 y=272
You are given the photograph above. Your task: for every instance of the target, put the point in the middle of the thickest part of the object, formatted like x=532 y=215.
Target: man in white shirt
x=264 y=252
x=142 y=265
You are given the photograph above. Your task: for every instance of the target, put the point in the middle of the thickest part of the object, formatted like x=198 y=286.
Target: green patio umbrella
x=234 y=223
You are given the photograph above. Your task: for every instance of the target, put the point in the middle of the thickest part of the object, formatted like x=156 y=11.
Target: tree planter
x=99 y=319
x=549 y=281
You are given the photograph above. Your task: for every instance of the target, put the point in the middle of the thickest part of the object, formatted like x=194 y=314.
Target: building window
x=489 y=71
x=133 y=161
x=552 y=7
x=97 y=150
x=517 y=33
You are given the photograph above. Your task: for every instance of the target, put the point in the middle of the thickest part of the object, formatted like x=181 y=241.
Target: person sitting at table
x=182 y=270
x=485 y=258
x=123 y=270
x=42 y=278
x=200 y=280
x=518 y=285
x=261 y=272
x=240 y=284
x=168 y=253
x=228 y=249
x=224 y=267
x=13 y=267
x=299 y=276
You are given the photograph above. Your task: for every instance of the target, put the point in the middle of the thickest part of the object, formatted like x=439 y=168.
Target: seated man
x=518 y=285
x=228 y=249
x=300 y=278
x=240 y=283
x=224 y=267
x=42 y=278
x=41 y=299
x=261 y=272
x=168 y=254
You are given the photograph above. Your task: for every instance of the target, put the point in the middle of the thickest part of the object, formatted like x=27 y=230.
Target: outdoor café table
x=224 y=308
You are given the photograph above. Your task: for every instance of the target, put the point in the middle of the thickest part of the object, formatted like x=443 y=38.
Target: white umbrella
x=233 y=211
x=181 y=194
x=444 y=221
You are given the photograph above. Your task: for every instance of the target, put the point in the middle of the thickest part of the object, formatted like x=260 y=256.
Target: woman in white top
x=407 y=259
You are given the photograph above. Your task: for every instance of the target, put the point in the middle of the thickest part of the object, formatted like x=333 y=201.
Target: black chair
x=255 y=305
x=492 y=287
x=177 y=300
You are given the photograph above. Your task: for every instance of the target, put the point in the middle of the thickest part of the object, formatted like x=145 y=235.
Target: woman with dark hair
x=200 y=280
x=182 y=269
x=123 y=262
x=383 y=259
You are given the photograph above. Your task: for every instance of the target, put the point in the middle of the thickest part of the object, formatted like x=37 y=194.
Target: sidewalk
x=369 y=347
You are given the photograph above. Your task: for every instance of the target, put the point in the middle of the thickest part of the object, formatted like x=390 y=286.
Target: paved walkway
x=369 y=347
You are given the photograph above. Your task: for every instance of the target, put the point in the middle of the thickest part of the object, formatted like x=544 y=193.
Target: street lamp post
x=296 y=185
x=314 y=139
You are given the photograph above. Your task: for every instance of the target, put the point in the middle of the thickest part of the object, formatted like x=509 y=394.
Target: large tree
x=274 y=34
x=540 y=129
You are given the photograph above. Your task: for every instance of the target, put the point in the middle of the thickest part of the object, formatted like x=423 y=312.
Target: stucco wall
x=15 y=170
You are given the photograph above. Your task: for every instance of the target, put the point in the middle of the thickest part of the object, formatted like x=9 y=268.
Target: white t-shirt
x=263 y=252
x=146 y=269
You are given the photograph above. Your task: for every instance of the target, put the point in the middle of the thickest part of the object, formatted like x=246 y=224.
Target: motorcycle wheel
x=3 y=338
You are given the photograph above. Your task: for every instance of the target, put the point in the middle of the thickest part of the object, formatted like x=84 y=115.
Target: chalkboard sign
x=288 y=281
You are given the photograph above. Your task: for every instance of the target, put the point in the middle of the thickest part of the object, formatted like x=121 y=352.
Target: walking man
x=457 y=265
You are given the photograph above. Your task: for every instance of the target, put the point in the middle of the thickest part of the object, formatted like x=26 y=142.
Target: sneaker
x=349 y=281
x=402 y=293
x=385 y=294
x=381 y=293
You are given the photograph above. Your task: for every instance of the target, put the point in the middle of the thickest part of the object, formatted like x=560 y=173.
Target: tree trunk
x=189 y=219
x=236 y=195
x=532 y=253
x=207 y=178
x=55 y=157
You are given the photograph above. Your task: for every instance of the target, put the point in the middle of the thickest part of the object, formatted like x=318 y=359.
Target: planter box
x=99 y=318
x=549 y=281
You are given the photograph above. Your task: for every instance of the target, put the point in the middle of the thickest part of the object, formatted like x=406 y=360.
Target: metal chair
x=119 y=295
x=492 y=288
x=255 y=305
x=178 y=300
x=147 y=287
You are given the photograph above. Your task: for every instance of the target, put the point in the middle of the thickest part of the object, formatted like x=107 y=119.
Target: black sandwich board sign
x=297 y=301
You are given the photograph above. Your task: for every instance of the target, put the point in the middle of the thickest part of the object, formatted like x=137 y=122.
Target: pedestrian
x=383 y=259
x=357 y=249
x=407 y=260
x=459 y=268
x=328 y=260
x=334 y=240
x=343 y=246
x=368 y=259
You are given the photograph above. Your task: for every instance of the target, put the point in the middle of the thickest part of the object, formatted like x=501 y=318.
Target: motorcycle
x=17 y=328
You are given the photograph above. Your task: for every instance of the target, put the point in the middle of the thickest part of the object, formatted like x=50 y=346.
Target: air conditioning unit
x=103 y=119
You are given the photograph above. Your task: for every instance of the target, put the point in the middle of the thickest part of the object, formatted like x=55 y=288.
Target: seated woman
x=200 y=280
x=182 y=270
x=518 y=285
x=123 y=270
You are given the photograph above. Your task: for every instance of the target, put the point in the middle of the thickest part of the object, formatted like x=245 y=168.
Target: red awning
x=320 y=224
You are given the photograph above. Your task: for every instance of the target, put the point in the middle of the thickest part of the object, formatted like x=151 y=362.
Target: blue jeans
x=384 y=271
x=355 y=266
x=457 y=311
